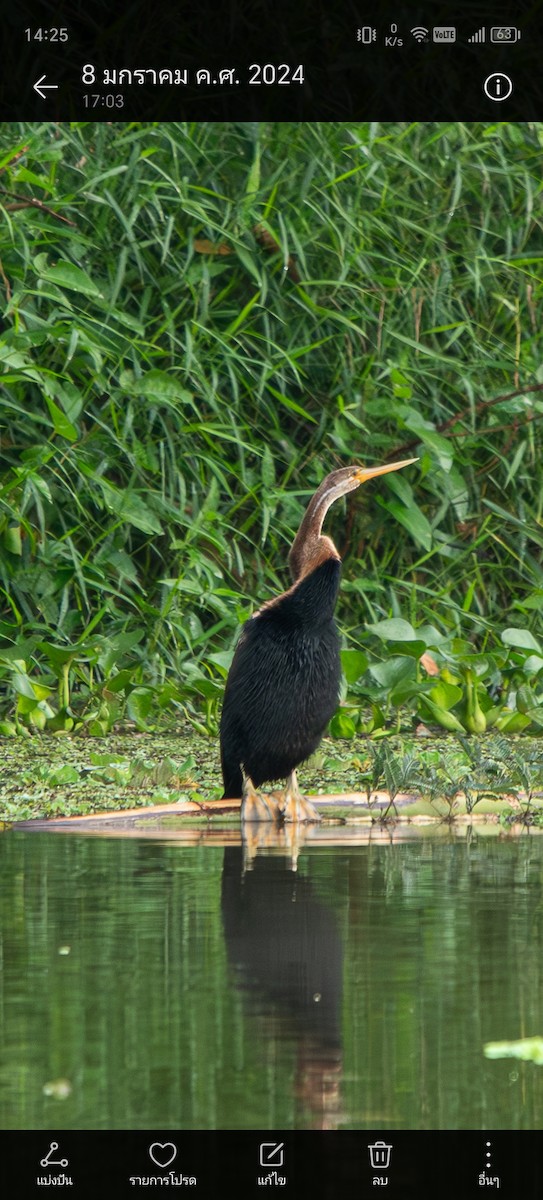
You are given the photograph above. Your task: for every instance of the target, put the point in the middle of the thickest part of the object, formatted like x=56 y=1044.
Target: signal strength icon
x=480 y=36
x=419 y=33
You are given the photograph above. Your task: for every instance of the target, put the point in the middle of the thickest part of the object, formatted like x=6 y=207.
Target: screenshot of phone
x=242 y=251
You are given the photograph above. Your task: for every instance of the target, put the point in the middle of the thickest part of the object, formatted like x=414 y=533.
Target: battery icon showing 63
x=504 y=34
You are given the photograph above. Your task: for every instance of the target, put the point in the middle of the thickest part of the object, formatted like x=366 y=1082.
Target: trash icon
x=380 y=1155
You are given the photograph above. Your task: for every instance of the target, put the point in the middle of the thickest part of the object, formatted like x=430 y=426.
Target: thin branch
x=445 y=425
x=28 y=202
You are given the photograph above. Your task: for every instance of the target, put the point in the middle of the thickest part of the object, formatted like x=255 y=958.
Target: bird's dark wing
x=281 y=692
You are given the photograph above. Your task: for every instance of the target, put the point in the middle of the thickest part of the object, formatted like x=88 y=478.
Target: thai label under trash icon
x=380 y=1155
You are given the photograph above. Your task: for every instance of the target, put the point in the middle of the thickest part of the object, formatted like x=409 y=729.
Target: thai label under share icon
x=380 y=1155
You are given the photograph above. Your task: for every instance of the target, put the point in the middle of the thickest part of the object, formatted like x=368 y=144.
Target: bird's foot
x=294 y=806
x=281 y=807
x=257 y=807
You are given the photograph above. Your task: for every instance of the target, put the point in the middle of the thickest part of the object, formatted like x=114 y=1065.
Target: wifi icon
x=419 y=33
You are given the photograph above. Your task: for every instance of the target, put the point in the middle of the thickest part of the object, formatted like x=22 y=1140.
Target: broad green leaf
x=533 y=664
x=441 y=447
x=394 y=629
x=376 y=721
x=18 y=655
x=203 y=686
x=526 y=699
x=354 y=664
x=123 y=681
x=222 y=659
x=58 y=655
x=139 y=705
x=432 y=636
x=401 y=386
x=411 y=649
x=23 y=686
x=406 y=690
x=342 y=725
x=107 y=760
x=67 y=275
x=111 y=650
x=61 y=424
x=513 y=722
x=523 y=639
x=26 y=176
x=534 y=600
x=69 y=397
x=12 y=540
x=393 y=671
x=130 y=507
x=159 y=385
x=62 y=775
x=13 y=358
x=445 y=695
x=442 y=716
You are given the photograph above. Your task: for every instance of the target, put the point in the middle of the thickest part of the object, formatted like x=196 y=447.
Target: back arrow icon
x=39 y=84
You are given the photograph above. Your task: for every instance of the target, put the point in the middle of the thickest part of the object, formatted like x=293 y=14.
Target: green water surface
x=149 y=985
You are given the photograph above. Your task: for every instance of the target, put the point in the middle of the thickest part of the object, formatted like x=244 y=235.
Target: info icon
x=498 y=87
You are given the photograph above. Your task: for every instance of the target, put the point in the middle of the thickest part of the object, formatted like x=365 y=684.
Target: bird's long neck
x=310 y=546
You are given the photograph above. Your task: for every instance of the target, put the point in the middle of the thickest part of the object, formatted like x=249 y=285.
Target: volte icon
x=446 y=34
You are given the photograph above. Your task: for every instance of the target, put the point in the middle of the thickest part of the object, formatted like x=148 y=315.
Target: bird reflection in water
x=282 y=689
x=284 y=948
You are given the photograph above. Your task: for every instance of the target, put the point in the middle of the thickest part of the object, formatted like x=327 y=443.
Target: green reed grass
x=171 y=393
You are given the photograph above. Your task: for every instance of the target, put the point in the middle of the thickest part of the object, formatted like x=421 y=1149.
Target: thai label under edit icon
x=380 y=1156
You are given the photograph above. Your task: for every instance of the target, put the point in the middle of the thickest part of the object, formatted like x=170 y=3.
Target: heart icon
x=162 y=1153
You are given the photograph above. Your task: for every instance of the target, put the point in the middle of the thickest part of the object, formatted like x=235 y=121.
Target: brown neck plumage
x=311 y=547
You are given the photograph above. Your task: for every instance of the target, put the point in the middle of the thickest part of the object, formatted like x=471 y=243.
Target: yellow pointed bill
x=365 y=473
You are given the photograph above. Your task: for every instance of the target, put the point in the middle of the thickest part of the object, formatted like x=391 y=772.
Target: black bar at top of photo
x=283 y=61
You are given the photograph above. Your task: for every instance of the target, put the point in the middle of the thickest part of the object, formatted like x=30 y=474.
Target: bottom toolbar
x=320 y=1165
